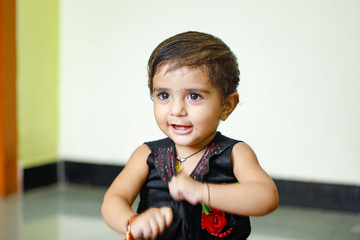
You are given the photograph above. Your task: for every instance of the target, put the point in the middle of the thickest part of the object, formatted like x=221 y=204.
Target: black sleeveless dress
x=214 y=167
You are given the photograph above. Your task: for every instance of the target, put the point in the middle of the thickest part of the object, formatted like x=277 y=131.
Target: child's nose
x=178 y=108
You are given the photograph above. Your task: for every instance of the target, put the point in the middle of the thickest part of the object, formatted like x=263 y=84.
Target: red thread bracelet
x=128 y=232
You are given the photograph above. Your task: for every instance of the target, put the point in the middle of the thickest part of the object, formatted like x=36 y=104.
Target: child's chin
x=183 y=140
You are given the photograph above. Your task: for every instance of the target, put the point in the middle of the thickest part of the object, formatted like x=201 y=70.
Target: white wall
x=300 y=77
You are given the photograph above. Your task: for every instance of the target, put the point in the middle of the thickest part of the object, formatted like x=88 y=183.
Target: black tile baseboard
x=319 y=195
x=40 y=176
x=293 y=193
x=89 y=173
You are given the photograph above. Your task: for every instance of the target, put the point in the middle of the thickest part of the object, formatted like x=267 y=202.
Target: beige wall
x=299 y=79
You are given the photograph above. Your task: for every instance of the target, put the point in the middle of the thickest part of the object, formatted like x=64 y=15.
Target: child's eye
x=194 y=96
x=163 y=96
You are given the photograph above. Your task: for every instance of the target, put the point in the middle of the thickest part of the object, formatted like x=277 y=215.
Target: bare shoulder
x=246 y=166
x=137 y=163
x=130 y=180
x=140 y=154
x=242 y=150
x=242 y=154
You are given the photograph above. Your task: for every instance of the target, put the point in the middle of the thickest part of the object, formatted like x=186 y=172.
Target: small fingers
x=155 y=222
x=152 y=223
x=163 y=219
x=160 y=224
x=142 y=227
x=154 y=228
x=168 y=214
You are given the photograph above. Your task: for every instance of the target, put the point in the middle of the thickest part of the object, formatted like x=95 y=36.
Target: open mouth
x=181 y=129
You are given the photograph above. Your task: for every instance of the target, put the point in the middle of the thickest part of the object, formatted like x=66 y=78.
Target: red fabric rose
x=213 y=222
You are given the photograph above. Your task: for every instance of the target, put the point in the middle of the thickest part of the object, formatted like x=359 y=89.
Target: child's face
x=187 y=106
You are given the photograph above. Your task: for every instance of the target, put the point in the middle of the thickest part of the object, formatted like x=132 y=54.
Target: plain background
x=300 y=78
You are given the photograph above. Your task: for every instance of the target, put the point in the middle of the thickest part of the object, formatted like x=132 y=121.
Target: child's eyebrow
x=161 y=89
x=203 y=90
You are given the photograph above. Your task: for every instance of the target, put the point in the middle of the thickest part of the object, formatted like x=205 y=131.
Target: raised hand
x=182 y=187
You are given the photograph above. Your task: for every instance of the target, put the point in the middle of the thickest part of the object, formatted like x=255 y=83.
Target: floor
x=72 y=212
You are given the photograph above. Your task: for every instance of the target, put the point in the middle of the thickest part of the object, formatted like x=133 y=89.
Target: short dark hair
x=196 y=49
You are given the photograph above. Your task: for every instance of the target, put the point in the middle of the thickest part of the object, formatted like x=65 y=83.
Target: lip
x=181 y=129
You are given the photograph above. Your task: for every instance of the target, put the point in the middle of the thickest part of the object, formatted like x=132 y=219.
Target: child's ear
x=229 y=105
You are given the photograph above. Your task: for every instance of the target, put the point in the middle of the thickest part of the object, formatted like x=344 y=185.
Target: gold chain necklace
x=178 y=166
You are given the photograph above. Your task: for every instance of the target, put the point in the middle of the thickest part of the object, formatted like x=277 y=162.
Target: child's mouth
x=181 y=129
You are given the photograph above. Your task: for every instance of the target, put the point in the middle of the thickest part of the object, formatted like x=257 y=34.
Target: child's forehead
x=167 y=68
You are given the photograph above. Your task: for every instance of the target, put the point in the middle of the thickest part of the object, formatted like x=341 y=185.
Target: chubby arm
x=255 y=195
x=116 y=207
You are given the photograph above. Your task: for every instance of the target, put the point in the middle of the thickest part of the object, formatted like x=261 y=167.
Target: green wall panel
x=38 y=77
